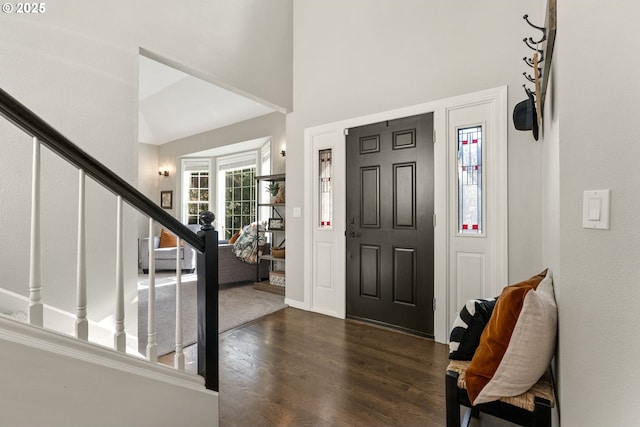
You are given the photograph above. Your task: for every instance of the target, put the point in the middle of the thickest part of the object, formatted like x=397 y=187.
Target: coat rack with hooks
x=540 y=63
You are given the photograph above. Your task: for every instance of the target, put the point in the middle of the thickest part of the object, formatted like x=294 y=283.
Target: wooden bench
x=532 y=408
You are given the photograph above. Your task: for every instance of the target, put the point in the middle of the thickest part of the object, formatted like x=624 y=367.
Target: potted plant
x=273 y=189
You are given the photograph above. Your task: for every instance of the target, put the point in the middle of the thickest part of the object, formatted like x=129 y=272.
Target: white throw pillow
x=531 y=347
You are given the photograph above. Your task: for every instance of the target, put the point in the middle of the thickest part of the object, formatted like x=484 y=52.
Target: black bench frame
x=455 y=396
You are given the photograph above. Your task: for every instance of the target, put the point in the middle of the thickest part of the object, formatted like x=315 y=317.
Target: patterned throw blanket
x=246 y=246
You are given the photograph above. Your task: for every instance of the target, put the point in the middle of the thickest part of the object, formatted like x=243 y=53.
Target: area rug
x=237 y=305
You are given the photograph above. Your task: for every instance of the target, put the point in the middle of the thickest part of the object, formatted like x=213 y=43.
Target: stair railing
x=205 y=242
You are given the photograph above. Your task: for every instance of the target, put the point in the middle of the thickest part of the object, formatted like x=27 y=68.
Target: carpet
x=237 y=305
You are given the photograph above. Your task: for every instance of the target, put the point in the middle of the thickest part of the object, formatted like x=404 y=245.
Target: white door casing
x=327 y=290
x=324 y=250
x=478 y=263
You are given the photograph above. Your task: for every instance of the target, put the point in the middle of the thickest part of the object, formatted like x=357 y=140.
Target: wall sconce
x=283 y=153
x=163 y=172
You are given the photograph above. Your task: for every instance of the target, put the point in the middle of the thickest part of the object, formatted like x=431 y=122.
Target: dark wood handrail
x=32 y=124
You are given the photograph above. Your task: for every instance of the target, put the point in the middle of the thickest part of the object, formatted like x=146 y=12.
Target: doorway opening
x=464 y=263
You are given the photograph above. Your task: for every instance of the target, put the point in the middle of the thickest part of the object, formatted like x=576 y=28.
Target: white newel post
x=82 y=325
x=120 y=337
x=178 y=361
x=152 y=345
x=35 y=263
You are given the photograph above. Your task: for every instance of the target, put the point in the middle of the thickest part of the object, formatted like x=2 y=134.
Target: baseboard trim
x=331 y=313
x=295 y=304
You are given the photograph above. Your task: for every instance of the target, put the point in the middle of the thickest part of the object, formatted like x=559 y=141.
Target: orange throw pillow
x=233 y=238
x=496 y=336
x=168 y=240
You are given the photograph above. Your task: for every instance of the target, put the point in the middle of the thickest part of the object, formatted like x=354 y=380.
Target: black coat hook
x=529 y=62
x=528 y=91
x=534 y=48
x=528 y=77
x=529 y=45
x=540 y=51
x=544 y=31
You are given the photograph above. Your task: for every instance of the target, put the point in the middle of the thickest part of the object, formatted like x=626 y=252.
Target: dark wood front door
x=390 y=223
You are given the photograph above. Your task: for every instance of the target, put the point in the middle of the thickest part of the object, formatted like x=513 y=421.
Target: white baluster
x=178 y=359
x=152 y=345
x=82 y=325
x=35 y=263
x=120 y=337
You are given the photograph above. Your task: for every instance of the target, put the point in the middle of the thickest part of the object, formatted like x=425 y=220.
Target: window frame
x=482 y=220
x=232 y=162
x=189 y=165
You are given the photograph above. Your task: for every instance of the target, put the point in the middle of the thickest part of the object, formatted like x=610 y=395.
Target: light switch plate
x=297 y=212
x=595 y=209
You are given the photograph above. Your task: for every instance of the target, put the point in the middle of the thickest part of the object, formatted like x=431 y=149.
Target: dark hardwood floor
x=295 y=368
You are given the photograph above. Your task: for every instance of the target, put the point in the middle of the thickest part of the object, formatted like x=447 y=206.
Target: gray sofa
x=230 y=269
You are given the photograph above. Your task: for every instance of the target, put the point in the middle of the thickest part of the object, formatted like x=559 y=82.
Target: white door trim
x=497 y=97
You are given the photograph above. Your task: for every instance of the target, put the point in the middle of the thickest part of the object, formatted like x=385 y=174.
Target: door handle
x=351 y=234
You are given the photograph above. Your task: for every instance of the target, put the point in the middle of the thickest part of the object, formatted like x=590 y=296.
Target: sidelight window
x=470 y=171
x=325 y=168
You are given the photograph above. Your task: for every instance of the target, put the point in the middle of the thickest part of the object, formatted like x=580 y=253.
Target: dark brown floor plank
x=295 y=368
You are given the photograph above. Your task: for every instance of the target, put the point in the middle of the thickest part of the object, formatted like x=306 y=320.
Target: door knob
x=351 y=234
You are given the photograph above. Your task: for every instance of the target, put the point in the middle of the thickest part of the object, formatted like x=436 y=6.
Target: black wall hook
x=528 y=91
x=528 y=77
x=528 y=61
x=526 y=41
x=544 y=31
x=540 y=51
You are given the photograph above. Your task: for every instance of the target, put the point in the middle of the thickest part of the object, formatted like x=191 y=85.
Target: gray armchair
x=166 y=257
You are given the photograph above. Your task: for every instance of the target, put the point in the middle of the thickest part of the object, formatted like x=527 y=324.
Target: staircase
x=64 y=379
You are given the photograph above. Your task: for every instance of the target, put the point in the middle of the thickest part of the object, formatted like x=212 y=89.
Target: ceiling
x=174 y=104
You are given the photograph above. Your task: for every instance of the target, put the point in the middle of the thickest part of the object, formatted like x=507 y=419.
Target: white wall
x=591 y=140
x=148 y=179
x=76 y=66
x=550 y=188
x=62 y=382
x=76 y=70
x=243 y=44
x=361 y=57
